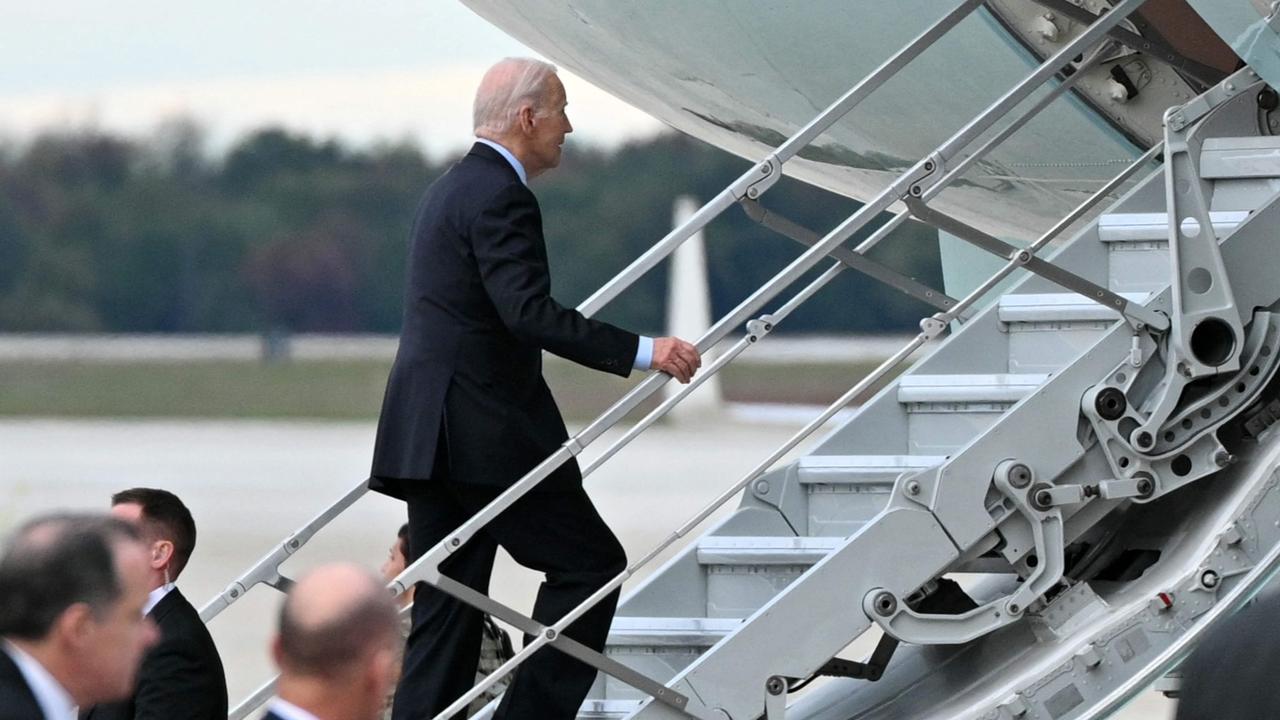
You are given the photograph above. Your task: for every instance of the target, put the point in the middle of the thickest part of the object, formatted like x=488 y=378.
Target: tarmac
x=249 y=484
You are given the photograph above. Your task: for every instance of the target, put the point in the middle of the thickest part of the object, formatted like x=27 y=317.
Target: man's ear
x=276 y=653
x=161 y=554
x=383 y=669
x=74 y=626
x=526 y=115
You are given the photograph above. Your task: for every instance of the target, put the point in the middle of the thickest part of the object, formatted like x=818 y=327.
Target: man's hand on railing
x=676 y=357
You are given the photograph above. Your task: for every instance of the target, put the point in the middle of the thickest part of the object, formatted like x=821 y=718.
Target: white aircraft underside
x=745 y=74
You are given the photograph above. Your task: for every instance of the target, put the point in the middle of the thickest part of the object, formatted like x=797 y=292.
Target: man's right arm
x=504 y=239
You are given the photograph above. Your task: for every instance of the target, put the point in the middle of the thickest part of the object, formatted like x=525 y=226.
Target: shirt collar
x=289 y=711
x=155 y=597
x=54 y=701
x=515 y=164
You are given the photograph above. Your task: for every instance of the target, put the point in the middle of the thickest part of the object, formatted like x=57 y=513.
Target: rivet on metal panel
x=1209 y=579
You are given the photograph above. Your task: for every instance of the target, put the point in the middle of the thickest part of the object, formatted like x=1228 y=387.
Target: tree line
x=287 y=232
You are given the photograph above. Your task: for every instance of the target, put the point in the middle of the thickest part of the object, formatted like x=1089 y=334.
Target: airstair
x=1037 y=519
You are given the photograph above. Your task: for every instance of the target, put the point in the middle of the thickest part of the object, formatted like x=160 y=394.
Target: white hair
x=509 y=85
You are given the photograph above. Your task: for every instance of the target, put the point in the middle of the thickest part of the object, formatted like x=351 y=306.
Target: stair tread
x=1058 y=307
x=1140 y=227
x=979 y=388
x=1240 y=157
x=860 y=469
x=751 y=550
x=670 y=631
x=593 y=709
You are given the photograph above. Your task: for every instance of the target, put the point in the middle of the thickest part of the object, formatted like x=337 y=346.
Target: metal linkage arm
x=1208 y=326
x=267 y=569
x=863 y=264
x=956 y=170
x=1081 y=210
x=1137 y=315
x=896 y=618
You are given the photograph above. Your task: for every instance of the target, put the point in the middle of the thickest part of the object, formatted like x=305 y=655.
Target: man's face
x=113 y=642
x=550 y=125
x=159 y=550
x=395 y=562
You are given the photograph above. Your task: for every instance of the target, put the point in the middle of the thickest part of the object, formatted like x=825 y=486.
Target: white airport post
x=689 y=314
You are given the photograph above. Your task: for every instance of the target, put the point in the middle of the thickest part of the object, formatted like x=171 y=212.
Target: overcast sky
x=367 y=71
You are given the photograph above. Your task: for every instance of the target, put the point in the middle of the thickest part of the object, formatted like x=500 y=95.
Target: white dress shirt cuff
x=644 y=353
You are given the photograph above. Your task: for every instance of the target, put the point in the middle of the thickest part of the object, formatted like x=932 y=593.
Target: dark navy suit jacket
x=467 y=378
x=181 y=677
x=17 y=702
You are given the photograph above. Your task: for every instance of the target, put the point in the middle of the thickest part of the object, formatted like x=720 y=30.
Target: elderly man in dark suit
x=182 y=676
x=467 y=412
x=72 y=632
x=337 y=647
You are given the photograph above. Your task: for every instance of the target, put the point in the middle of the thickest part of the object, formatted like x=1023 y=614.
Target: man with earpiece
x=182 y=676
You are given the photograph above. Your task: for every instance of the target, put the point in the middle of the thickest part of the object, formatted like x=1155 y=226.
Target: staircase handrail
x=426 y=567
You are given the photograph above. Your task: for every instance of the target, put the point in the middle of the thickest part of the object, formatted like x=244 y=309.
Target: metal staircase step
x=652 y=632
x=744 y=573
x=1057 y=307
x=845 y=491
x=945 y=412
x=1154 y=227
x=659 y=647
x=1048 y=330
x=1138 y=246
x=607 y=709
x=721 y=550
x=984 y=389
x=1225 y=158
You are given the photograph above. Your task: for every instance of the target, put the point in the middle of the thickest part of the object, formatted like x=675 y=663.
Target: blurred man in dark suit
x=72 y=631
x=182 y=675
x=337 y=647
x=467 y=412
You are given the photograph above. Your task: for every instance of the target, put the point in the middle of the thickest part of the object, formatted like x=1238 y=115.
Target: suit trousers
x=559 y=533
